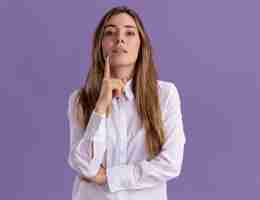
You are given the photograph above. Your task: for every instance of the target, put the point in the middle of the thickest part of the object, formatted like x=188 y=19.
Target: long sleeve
x=164 y=166
x=80 y=152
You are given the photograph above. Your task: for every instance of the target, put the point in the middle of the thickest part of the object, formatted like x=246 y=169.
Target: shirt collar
x=127 y=90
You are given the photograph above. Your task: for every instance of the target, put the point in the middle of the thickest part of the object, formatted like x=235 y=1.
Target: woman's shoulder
x=72 y=97
x=73 y=94
x=166 y=87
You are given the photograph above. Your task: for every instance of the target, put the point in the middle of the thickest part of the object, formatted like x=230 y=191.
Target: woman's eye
x=130 y=33
x=108 y=33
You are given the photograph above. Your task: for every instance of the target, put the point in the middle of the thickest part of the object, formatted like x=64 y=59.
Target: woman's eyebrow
x=113 y=25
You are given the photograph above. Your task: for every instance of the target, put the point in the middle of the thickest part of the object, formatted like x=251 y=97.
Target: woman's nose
x=119 y=38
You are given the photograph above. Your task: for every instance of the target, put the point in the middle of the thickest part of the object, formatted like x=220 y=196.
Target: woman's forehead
x=121 y=20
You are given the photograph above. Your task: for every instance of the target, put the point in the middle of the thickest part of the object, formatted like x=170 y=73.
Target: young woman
x=126 y=130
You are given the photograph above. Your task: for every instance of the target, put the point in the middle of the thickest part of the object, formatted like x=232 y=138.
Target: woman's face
x=121 y=40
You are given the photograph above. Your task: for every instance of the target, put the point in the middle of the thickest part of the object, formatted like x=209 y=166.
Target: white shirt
x=119 y=143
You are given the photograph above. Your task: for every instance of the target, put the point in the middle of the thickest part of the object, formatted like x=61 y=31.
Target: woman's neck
x=122 y=73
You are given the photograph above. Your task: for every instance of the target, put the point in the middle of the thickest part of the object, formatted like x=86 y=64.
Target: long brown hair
x=144 y=84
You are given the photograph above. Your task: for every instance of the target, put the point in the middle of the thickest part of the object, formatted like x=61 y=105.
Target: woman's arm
x=87 y=147
x=166 y=165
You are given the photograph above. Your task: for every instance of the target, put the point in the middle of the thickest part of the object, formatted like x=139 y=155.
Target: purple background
x=210 y=49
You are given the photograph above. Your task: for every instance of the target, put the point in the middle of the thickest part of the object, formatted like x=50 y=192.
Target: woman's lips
x=119 y=50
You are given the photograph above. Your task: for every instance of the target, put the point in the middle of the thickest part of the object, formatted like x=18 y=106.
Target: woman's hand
x=110 y=87
x=99 y=179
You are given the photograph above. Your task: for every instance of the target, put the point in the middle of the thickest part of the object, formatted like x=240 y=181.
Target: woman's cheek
x=107 y=44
